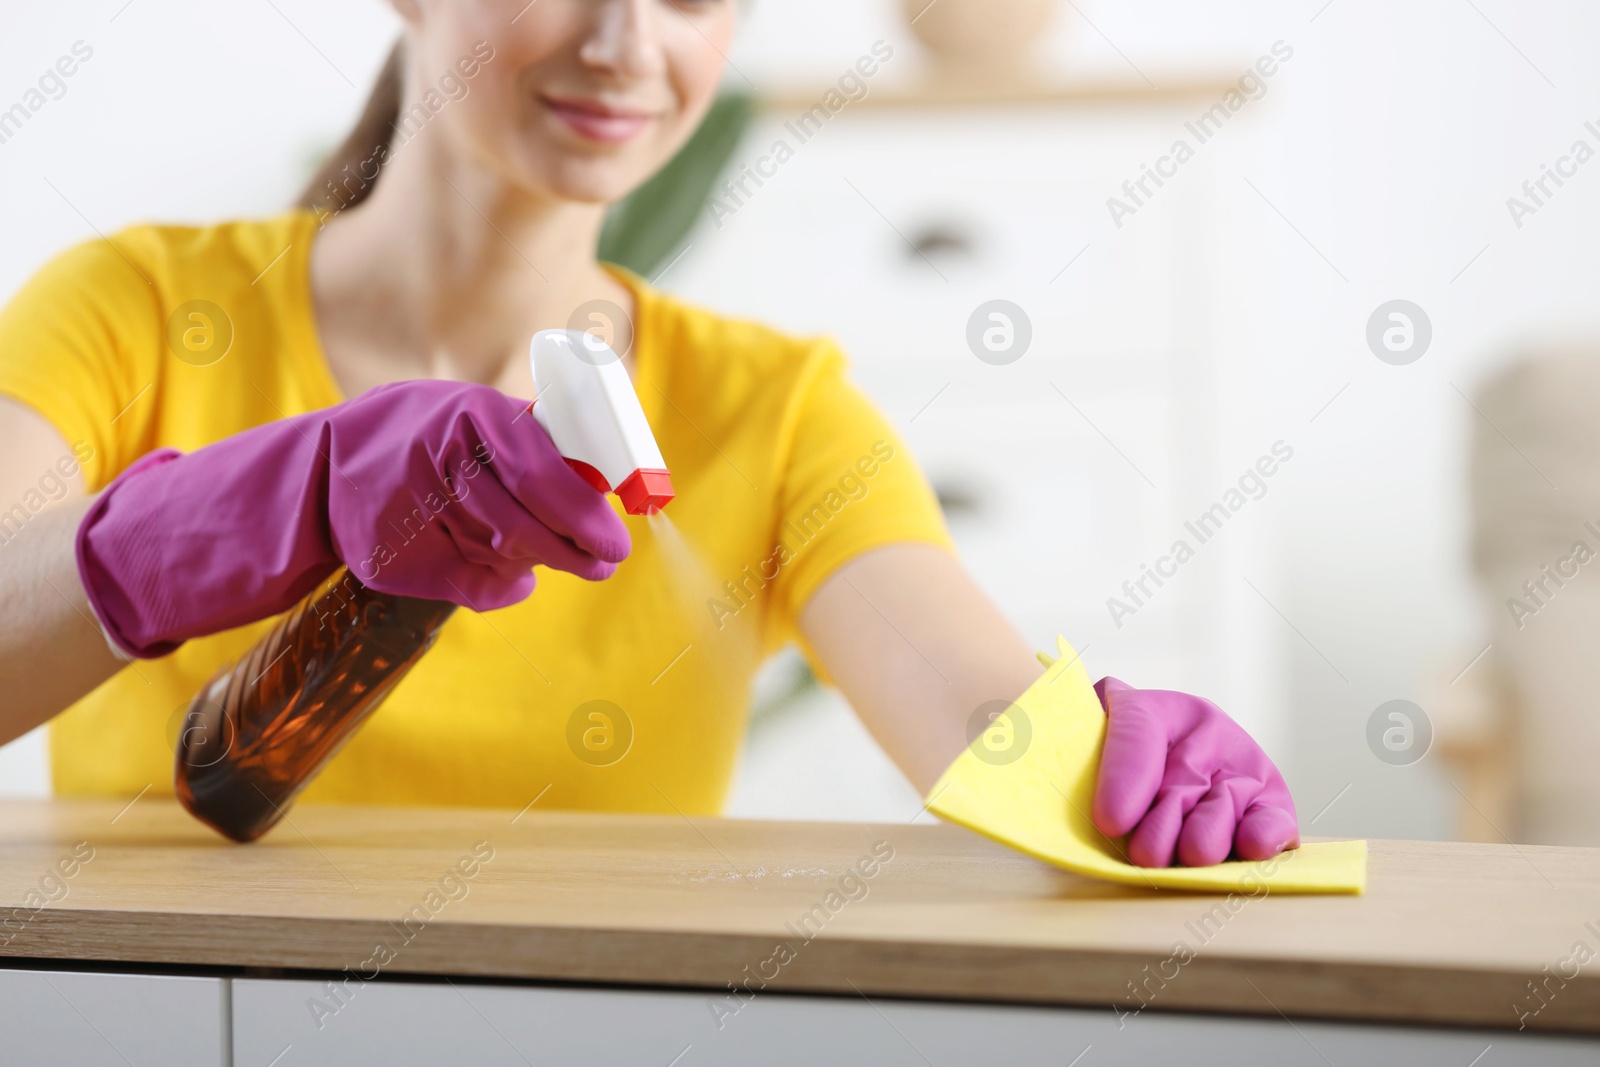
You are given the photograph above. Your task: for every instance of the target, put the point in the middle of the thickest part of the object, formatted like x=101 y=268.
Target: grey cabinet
x=82 y=1019
x=309 y=1024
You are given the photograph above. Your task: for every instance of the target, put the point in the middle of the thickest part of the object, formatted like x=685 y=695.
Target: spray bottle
x=257 y=734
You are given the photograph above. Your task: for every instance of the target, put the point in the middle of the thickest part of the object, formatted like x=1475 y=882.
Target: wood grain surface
x=1448 y=933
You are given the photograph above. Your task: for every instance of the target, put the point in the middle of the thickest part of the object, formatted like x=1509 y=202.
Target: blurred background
x=1330 y=280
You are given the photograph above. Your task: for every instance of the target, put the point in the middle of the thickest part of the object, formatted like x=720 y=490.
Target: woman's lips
x=599 y=122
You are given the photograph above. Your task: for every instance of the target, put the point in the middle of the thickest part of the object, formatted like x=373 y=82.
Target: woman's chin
x=583 y=180
x=558 y=160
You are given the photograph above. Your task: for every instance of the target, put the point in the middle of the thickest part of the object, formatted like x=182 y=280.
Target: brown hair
x=342 y=181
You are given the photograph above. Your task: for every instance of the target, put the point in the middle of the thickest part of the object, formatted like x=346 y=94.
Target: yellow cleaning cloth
x=1028 y=782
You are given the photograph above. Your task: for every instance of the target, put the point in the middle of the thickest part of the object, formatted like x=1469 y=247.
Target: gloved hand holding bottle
x=433 y=489
x=1186 y=782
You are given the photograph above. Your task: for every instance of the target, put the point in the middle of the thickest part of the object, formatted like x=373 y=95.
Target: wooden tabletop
x=1447 y=933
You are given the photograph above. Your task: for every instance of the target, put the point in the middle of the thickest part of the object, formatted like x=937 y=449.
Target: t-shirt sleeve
x=79 y=343
x=848 y=485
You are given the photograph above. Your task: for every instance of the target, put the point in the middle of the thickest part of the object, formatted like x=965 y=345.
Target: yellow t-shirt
x=783 y=471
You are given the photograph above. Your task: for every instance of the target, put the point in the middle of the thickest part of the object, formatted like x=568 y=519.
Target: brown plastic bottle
x=263 y=728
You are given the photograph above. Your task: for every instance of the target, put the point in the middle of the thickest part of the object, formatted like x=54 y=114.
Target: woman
x=200 y=378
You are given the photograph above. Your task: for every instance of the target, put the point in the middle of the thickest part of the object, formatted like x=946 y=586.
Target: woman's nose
x=625 y=38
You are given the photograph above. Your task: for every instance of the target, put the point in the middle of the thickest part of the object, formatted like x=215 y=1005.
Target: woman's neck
x=446 y=271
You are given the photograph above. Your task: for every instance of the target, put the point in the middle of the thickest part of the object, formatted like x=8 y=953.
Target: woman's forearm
x=920 y=651
x=51 y=650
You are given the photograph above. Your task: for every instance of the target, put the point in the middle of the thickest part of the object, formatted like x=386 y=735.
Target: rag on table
x=1039 y=802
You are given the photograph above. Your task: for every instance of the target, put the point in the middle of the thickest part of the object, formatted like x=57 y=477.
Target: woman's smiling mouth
x=595 y=120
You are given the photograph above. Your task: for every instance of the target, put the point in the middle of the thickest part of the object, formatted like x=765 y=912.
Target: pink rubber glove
x=435 y=489
x=1185 y=780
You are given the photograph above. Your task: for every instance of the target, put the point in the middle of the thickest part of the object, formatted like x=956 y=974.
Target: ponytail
x=347 y=176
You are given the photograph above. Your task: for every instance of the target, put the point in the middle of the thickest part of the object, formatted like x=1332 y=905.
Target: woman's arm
x=919 y=651
x=917 y=648
x=51 y=650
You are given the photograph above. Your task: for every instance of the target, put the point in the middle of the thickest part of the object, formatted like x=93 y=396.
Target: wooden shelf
x=978 y=93
x=1447 y=934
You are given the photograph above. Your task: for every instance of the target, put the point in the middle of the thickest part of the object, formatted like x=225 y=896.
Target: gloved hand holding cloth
x=1119 y=783
x=1185 y=783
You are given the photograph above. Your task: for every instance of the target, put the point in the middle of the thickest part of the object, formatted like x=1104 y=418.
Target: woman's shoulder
x=141 y=273
x=164 y=255
x=169 y=261
x=695 y=339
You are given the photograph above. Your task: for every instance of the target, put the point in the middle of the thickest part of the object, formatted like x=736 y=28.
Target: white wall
x=1390 y=142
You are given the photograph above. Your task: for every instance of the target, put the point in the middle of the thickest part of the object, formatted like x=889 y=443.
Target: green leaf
x=642 y=230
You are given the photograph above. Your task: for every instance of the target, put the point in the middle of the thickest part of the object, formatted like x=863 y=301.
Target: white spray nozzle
x=585 y=401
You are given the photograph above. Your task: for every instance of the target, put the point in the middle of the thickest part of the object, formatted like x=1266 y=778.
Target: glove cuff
x=120 y=561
